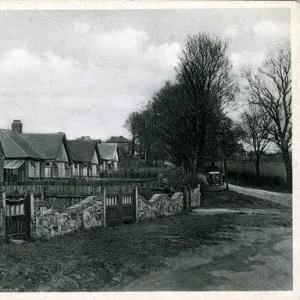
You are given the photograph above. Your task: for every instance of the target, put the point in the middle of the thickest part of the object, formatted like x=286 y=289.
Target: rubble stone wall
x=85 y=214
x=159 y=205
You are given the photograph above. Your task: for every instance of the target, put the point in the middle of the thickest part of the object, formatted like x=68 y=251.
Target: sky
x=84 y=72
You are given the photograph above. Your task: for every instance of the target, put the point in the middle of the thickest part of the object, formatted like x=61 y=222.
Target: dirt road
x=252 y=257
x=252 y=252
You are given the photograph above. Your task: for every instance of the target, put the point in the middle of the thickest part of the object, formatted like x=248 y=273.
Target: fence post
x=43 y=193
x=120 y=196
x=134 y=203
x=184 y=199
x=189 y=198
x=199 y=194
x=104 y=207
x=4 y=213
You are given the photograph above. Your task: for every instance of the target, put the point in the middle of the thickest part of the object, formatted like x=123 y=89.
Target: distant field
x=271 y=169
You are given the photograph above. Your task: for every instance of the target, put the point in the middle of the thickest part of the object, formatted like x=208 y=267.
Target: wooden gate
x=17 y=217
x=120 y=207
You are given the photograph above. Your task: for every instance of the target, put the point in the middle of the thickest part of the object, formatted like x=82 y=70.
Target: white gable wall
x=62 y=154
x=116 y=156
x=95 y=158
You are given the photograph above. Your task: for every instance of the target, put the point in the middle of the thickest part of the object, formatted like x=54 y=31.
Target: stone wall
x=159 y=205
x=85 y=214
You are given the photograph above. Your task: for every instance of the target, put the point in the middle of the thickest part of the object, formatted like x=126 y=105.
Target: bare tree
x=270 y=88
x=257 y=126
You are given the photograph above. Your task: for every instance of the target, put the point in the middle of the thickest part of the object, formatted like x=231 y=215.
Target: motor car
x=214 y=178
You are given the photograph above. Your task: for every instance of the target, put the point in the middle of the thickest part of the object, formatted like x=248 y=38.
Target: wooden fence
x=60 y=195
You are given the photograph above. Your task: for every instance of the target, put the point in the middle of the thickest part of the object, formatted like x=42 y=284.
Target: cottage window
x=61 y=170
x=68 y=170
x=84 y=170
x=98 y=170
x=55 y=170
x=116 y=166
x=34 y=169
x=47 y=170
x=94 y=170
x=76 y=170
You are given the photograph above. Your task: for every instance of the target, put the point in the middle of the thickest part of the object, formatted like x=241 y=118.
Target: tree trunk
x=288 y=167
x=194 y=171
x=257 y=162
x=226 y=173
x=132 y=147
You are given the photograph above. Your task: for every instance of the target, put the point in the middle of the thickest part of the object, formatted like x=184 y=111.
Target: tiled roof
x=82 y=150
x=117 y=139
x=107 y=150
x=14 y=146
x=46 y=144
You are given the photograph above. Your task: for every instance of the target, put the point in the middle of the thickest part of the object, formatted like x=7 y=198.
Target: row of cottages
x=27 y=156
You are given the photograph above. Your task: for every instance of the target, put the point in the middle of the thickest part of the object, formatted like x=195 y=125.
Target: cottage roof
x=117 y=139
x=82 y=150
x=14 y=146
x=108 y=151
x=46 y=144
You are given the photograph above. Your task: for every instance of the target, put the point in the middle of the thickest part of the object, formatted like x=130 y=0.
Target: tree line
x=186 y=120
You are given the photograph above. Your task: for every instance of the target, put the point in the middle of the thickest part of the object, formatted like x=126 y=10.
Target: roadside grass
x=106 y=259
x=272 y=184
x=230 y=199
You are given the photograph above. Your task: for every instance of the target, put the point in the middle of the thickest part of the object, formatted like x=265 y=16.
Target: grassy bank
x=273 y=184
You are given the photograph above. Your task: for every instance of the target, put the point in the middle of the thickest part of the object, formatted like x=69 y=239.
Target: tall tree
x=132 y=124
x=184 y=109
x=271 y=89
x=257 y=126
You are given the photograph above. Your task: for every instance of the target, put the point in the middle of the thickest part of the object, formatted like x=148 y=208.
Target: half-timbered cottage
x=109 y=156
x=21 y=161
x=29 y=156
x=86 y=158
x=54 y=149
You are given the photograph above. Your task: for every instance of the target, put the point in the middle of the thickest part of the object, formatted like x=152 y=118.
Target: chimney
x=16 y=126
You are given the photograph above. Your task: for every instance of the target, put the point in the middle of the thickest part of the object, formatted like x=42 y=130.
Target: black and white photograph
x=147 y=149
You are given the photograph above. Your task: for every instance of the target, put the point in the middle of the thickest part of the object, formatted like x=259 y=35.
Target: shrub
x=176 y=178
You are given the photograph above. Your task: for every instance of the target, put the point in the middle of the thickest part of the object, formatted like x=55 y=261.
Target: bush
x=176 y=178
